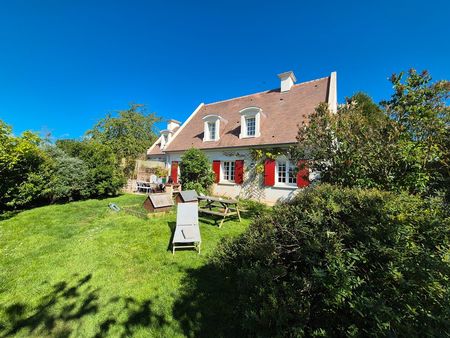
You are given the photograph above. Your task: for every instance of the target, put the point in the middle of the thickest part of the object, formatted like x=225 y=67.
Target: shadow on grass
x=172 y=226
x=8 y=214
x=59 y=312
x=205 y=308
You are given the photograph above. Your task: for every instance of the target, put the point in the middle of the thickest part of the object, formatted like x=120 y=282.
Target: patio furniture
x=227 y=207
x=142 y=186
x=187 y=231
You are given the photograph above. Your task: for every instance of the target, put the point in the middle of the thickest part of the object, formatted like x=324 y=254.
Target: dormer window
x=212 y=127
x=165 y=138
x=212 y=130
x=250 y=122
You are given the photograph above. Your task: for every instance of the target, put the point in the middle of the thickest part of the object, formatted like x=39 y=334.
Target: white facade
x=253 y=185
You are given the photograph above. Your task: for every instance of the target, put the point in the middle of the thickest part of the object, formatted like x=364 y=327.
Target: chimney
x=287 y=81
x=172 y=124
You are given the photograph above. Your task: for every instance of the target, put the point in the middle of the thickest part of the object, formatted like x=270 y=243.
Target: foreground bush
x=342 y=262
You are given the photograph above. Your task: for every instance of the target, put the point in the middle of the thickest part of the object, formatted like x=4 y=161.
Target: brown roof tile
x=282 y=113
x=155 y=150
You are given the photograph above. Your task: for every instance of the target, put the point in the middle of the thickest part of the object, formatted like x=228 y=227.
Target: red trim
x=269 y=173
x=174 y=171
x=302 y=174
x=239 y=171
x=216 y=169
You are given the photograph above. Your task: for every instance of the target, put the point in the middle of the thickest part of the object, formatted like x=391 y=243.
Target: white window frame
x=250 y=112
x=212 y=130
x=289 y=167
x=232 y=168
x=247 y=126
x=207 y=120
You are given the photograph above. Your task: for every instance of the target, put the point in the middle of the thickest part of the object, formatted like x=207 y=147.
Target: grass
x=80 y=269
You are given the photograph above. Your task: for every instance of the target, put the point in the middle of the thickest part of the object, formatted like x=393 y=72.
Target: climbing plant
x=260 y=155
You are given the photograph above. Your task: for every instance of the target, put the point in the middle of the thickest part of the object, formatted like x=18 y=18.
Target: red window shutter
x=239 y=171
x=302 y=174
x=269 y=172
x=174 y=171
x=216 y=169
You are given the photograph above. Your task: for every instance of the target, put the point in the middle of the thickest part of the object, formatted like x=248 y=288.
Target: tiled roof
x=282 y=114
x=155 y=149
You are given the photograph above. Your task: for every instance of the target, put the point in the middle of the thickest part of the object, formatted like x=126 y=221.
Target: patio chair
x=187 y=231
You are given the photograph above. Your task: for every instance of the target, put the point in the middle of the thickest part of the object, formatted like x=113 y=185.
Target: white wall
x=252 y=188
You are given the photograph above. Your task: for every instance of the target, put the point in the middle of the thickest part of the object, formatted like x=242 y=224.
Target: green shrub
x=253 y=208
x=69 y=178
x=342 y=262
x=23 y=169
x=196 y=171
x=104 y=175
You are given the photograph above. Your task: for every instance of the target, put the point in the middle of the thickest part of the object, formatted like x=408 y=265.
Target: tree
x=69 y=176
x=23 y=169
x=129 y=134
x=196 y=171
x=402 y=145
x=422 y=118
x=104 y=176
x=354 y=147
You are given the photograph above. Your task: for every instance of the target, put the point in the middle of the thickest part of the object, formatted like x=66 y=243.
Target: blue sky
x=65 y=64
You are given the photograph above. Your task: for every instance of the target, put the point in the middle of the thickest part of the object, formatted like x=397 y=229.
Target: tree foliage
x=34 y=172
x=196 y=171
x=342 y=262
x=129 y=133
x=103 y=173
x=69 y=176
x=401 y=145
x=422 y=118
x=23 y=169
x=354 y=147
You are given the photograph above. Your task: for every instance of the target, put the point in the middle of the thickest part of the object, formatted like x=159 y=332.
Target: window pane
x=282 y=172
x=251 y=126
x=228 y=171
x=212 y=130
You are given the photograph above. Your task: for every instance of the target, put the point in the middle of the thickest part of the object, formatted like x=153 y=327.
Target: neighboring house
x=228 y=130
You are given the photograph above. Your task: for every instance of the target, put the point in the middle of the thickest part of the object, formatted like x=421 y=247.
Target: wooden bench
x=230 y=207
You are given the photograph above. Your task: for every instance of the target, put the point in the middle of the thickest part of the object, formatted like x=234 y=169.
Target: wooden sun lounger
x=187 y=231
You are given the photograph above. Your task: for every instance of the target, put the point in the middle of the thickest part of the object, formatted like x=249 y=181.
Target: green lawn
x=82 y=270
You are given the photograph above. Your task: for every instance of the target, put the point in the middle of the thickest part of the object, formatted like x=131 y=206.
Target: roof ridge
x=264 y=91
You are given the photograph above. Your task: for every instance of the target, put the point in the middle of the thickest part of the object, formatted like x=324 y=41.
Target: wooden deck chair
x=187 y=231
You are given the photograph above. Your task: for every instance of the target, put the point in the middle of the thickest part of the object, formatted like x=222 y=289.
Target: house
x=231 y=131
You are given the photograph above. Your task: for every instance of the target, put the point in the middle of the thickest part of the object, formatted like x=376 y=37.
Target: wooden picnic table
x=229 y=207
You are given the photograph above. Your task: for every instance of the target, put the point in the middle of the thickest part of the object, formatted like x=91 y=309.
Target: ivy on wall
x=260 y=155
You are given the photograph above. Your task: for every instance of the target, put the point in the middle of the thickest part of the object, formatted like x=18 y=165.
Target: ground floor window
x=228 y=171
x=286 y=173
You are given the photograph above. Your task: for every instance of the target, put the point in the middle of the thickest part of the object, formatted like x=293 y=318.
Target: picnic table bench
x=229 y=207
